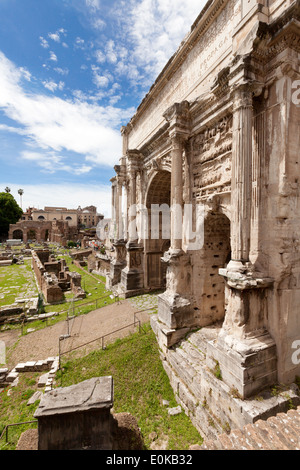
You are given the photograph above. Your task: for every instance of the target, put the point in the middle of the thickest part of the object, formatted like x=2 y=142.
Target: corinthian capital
x=178 y=117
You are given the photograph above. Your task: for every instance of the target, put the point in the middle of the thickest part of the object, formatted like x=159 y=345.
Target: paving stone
x=175 y=411
x=43 y=380
x=29 y=366
x=11 y=376
x=280 y=432
x=36 y=396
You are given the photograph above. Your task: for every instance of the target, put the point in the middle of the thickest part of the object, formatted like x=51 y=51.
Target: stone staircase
x=280 y=432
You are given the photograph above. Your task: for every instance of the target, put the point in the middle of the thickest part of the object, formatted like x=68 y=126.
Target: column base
x=114 y=276
x=246 y=365
x=174 y=311
x=132 y=277
x=132 y=281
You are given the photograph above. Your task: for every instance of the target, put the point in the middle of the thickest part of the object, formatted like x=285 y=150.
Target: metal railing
x=63 y=337
x=102 y=337
x=5 y=430
x=72 y=307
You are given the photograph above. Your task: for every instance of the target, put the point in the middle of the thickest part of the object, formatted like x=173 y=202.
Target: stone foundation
x=197 y=379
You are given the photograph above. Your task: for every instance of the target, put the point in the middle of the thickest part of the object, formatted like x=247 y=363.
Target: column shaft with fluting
x=241 y=174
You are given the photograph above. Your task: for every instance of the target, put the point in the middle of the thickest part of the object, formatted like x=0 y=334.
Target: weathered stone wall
x=219 y=130
x=29 y=229
x=54 y=278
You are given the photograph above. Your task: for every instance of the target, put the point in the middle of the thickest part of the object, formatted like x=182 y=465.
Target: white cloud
x=61 y=71
x=52 y=163
x=100 y=80
x=26 y=74
x=53 y=56
x=79 y=43
x=98 y=23
x=54 y=36
x=57 y=125
x=53 y=86
x=93 y=4
x=44 y=42
x=153 y=31
x=100 y=56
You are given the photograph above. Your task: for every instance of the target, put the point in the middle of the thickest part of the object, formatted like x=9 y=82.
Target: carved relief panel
x=211 y=155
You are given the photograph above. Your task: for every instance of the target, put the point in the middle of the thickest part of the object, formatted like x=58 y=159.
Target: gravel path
x=83 y=329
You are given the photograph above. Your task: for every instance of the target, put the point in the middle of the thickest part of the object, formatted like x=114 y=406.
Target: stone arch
x=31 y=234
x=215 y=254
x=41 y=217
x=158 y=193
x=17 y=234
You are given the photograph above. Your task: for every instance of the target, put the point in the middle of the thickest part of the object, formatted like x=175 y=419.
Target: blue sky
x=72 y=72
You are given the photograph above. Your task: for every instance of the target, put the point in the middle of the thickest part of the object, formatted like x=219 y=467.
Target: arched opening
x=68 y=218
x=17 y=235
x=31 y=235
x=41 y=217
x=158 y=204
x=44 y=235
x=216 y=253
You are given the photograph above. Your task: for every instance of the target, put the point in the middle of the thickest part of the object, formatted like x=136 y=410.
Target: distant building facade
x=55 y=224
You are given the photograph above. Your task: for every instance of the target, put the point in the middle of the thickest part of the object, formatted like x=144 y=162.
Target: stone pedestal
x=117 y=264
x=174 y=308
x=244 y=350
x=247 y=365
x=77 y=417
x=132 y=277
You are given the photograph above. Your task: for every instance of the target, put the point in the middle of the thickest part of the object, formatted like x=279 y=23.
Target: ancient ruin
x=54 y=277
x=212 y=155
x=55 y=224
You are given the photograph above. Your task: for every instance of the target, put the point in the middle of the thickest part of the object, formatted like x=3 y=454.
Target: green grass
x=16 y=281
x=14 y=408
x=93 y=285
x=140 y=386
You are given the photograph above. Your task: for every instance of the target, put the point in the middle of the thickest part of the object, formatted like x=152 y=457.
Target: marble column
x=132 y=277
x=244 y=350
x=174 y=307
x=177 y=141
x=113 y=208
x=119 y=261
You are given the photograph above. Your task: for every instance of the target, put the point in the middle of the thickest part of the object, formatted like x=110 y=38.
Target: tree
x=21 y=192
x=10 y=212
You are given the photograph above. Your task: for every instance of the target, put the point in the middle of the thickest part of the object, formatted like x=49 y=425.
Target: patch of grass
x=14 y=408
x=16 y=281
x=140 y=386
x=217 y=371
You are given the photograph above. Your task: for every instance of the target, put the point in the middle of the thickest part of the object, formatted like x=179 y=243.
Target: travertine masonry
x=219 y=130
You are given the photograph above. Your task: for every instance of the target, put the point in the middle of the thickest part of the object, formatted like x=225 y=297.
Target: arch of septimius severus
x=220 y=130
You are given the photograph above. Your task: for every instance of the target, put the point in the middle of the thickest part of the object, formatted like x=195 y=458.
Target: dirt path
x=44 y=343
